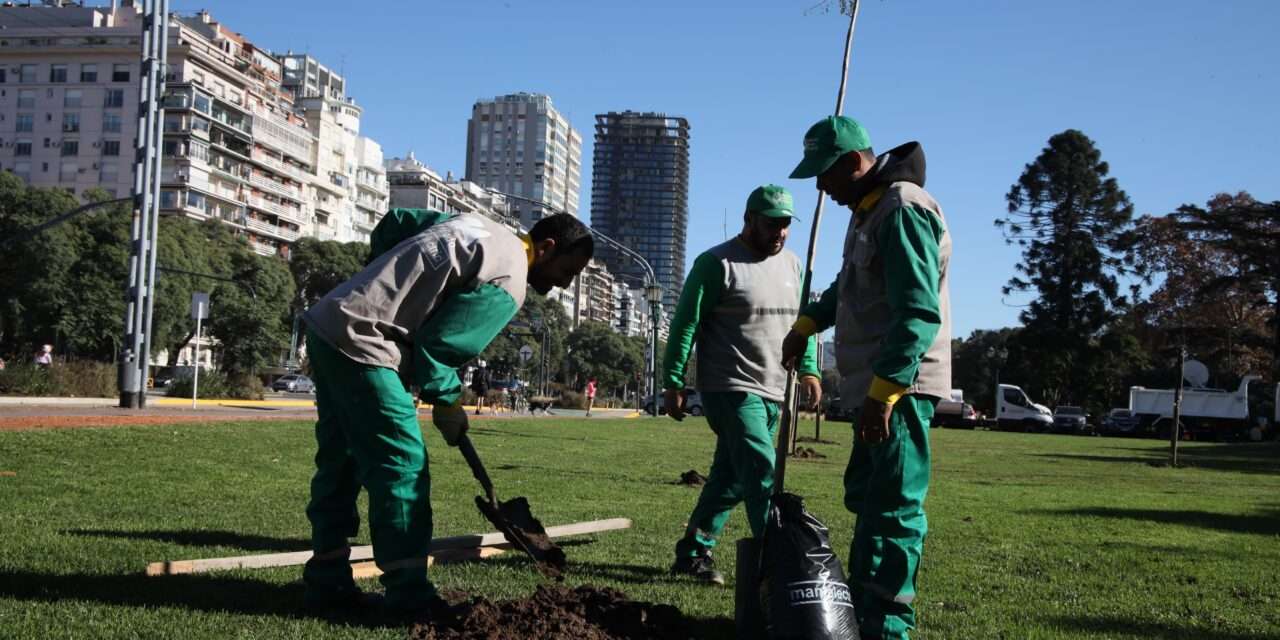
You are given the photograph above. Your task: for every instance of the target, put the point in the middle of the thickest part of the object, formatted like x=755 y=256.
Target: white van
x=1016 y=412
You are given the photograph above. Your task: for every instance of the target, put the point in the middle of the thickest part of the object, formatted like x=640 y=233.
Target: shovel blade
x=526 y=533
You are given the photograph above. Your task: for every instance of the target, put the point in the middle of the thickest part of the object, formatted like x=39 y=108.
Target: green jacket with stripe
x=737 y=306
x=890 y=306
x=437 y=290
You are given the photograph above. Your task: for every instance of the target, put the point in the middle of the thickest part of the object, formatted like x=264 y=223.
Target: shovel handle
x=477 y=467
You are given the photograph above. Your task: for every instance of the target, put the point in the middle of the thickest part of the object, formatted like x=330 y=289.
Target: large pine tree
x=1074 y=224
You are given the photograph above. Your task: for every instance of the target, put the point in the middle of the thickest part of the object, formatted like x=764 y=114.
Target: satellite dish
x=1195 y=373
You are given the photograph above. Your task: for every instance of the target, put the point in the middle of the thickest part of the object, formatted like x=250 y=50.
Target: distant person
x=738 y=302
x=892 y=319
x=437 y=290
x=480 y=387
x=590 y=392
x=44 y=357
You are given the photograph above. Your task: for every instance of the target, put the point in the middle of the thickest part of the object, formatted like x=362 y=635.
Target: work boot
x=346 y=601
x=701 y=567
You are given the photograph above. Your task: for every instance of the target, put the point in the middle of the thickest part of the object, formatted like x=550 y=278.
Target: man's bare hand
x=873 y=421
x=793 y=347
x=812 y=387
x=673 y=403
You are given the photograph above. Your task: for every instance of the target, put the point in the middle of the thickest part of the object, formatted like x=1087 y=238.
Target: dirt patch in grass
x=807 y=453
x=815 y=440
x=691 y=478
x=559 y=613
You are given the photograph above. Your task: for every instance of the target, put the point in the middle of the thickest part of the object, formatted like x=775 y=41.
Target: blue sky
x=1176 y=94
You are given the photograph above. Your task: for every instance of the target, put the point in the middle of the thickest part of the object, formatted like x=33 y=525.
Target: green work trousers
x=367 y=435
x=742 y=470
x=885 y=485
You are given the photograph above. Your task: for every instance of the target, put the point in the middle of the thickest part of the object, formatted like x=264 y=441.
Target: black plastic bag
x=802 y=585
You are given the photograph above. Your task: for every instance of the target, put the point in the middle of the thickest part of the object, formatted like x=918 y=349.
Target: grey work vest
x=740 y=340
x=863 y=317
x=373 y=316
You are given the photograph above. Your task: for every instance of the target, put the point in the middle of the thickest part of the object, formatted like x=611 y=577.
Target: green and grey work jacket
x=431 y=302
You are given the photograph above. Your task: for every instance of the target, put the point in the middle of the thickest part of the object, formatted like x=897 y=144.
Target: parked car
x=956 y=415
x=1070 y=419
x=692 y=404
x=1120 y=422
x=293 y=383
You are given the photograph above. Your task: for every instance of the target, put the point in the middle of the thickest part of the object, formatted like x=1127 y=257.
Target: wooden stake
x=179 y=567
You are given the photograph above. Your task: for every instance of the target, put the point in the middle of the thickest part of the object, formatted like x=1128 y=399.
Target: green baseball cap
x=827 y=141
x=771 y=201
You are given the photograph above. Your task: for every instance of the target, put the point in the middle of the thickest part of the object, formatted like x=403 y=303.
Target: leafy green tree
x=247 y=317
x=1074 y=224
x=538 y=311
x=596 y=350
x=318 y=266
x=1250 y=232
x=92 y=323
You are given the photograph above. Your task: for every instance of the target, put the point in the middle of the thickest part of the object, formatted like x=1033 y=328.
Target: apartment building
x=237 y=145
x=414 y=185
x=521 y=145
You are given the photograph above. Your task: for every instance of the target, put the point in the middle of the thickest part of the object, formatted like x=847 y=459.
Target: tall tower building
x=519 y=144
x=640 y=195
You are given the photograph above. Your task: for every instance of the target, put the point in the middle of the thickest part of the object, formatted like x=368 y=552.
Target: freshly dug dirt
x=691 y=478
x=807 y=453
x=560 y=613
x=814 y=440
x=520 y=528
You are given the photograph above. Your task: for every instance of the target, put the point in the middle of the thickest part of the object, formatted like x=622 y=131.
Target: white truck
x=1016 y=412
x=1206 y=413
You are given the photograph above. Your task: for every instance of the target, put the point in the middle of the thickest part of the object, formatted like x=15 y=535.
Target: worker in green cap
x=892 y=322
x=436 y=291
x=737 y=304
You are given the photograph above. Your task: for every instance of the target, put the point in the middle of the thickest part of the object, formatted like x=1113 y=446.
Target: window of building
x=120 y=73
x=26 y=98
x=57 y=73
x=27 y=73
x=114 y=98
x=2 y=75
x=111 y=123
x=88 y=73
x=110 y=147
x=25 y=123
x=22 y=147
x=72 y=99
x=110 y=172
x=71 y=123
x=69 y=171
x=70 y=147
x=22 y=170
x=168 y=199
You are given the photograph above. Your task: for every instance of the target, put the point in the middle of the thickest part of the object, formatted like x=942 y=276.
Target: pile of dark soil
x=691 y=478
x=807 y=453
x=561 y=613
x=815 y=440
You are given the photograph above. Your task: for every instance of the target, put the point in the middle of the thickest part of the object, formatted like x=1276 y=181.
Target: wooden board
x=177 y=567
x=363 y=570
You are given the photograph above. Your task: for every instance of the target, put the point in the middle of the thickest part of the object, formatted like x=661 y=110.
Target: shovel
x=514 y=519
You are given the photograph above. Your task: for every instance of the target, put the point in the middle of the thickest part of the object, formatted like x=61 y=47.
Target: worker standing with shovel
x=439 y=287
x=891 y=313
x=737 y=304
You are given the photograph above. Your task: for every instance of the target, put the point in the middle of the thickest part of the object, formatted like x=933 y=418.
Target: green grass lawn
x=1031 y=536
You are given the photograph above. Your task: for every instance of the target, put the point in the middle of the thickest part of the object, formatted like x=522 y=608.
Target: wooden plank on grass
x=177 y=567
x=363 y=570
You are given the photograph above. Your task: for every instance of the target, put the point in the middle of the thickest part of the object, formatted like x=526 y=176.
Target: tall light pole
x=652 y=288
x=136 y=350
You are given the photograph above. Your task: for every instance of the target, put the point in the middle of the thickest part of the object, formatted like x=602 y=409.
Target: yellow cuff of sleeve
x=805 y=326
x=885 y=391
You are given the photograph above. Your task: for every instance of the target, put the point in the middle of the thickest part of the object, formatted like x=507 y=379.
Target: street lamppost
x=653 y=294
x=652 y=288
